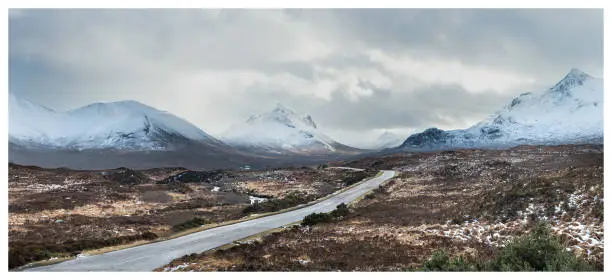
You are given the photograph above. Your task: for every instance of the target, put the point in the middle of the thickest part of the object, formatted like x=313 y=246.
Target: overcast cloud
x=357 y=72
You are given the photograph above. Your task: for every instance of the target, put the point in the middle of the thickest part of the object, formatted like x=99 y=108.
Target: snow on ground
x=178 y=267
x=37 y=187
x=256 y=199
x=579 y=235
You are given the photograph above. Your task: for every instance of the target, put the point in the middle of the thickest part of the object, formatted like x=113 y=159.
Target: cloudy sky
x=357 y=72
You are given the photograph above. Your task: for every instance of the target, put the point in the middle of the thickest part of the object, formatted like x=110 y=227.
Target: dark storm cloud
x=496 y=37
x=353 y=70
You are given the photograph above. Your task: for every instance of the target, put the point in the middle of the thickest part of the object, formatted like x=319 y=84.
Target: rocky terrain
x=469 y=203
x=62 y=212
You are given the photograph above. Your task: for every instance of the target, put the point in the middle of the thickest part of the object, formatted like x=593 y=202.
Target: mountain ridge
x=568 y=112
x=122 y=125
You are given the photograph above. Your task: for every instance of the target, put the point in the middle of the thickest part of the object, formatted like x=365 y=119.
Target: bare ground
x=60 y=212
x=469 y=202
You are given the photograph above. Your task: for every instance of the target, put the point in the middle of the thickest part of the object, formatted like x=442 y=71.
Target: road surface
x=150 y=256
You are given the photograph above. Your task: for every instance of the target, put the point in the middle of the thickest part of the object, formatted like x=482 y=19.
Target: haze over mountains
x=129 y=133
x=388 y=139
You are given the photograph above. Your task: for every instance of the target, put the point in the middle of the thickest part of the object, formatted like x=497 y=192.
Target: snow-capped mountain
x=281 y=131
x=389 y=139
x=124 y=125
x=569 y=112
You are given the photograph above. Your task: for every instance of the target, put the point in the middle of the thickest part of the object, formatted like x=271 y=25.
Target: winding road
x=150 y=256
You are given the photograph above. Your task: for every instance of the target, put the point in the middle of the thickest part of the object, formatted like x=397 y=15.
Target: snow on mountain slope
x=120 y=125
x=388 y=140
x=278 y=131
x=569 y=112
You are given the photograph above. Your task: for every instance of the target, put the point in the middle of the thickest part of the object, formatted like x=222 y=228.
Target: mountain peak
x=280 y=130
x=125 y=104
x=280 y=114
x=280 y=108
x=575 y=77
x=118 y=125
x=386 y=134
x=576 y=72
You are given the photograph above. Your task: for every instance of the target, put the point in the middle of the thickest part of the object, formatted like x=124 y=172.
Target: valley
x=110 y=176
x=469 y=203
x=212 y=139
x=56 y=213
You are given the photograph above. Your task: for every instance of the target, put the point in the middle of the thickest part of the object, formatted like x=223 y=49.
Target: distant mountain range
x=109 y=135
x=131 y=134
x=569 y=112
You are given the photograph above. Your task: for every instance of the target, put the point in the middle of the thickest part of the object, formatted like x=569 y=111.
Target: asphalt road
x=150 y=256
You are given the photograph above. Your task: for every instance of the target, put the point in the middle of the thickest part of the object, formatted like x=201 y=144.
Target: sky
x=358 y=73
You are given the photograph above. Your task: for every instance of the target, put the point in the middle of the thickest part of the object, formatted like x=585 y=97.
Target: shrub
x=290 y=200
x=341 y=211
x=195 y=222
x=356 y=177
x=127 y=176
x=156 y=197
x=539 y=250
x=440 y=261
x=179 y=187
x=316 y=218
x=147 y=235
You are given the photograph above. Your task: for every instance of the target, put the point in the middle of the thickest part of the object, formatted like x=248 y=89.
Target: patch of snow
x=558 y=208
x=175 y=268
x=575 y=200
x=256 y=199
x=36 y=187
